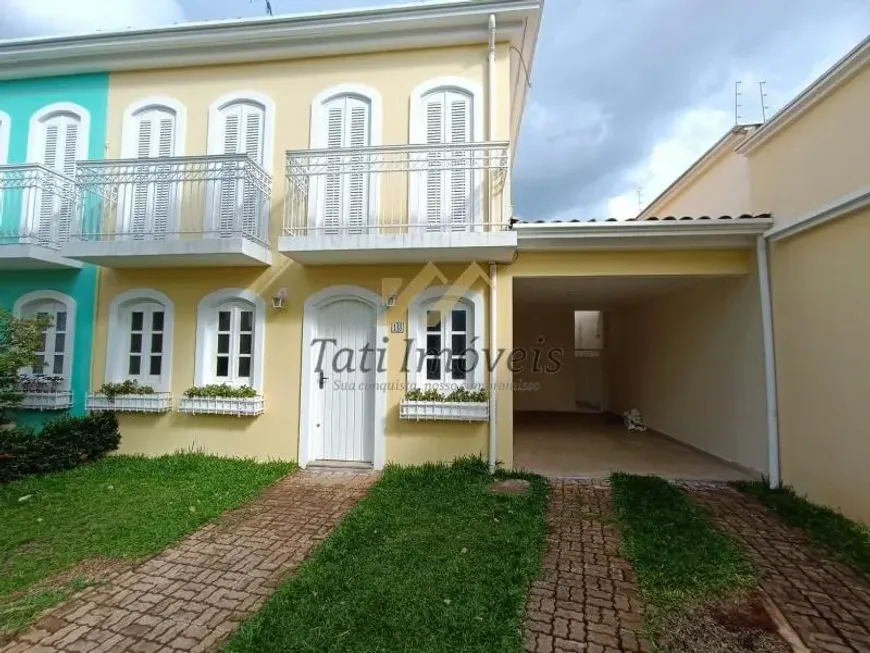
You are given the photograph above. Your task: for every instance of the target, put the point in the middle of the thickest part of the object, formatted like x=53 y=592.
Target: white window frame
x=472 y=301
x=206 y=334
x=25 y=301
x=36 y=135
x=417 y=136
x=215 y=140
x=119 y=336
x=130 y=132
x=319 y=139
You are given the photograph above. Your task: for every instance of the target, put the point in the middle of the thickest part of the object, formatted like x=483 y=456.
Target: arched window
x=447 y=195
x=241 y=123
x=58 y=137
x=55 y=354
x=153 y=128
x=346 y=117
x=140 y=338
x=230 y=333
x=448 y=339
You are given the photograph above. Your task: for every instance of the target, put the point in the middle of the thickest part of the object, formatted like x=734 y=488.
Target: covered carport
x=669 y=325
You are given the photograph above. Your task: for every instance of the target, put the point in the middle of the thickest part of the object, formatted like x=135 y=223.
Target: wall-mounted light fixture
x=279 y=298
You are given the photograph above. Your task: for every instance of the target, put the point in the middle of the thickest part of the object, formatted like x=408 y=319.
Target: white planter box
x=47 y=400
x=158 y=402
x=445 y=410
x=239 y=406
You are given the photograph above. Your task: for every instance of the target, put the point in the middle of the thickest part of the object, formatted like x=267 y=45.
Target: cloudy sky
x=625 y=93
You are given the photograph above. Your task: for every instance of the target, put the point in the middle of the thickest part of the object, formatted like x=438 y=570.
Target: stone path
x=193 y=595
x=826 y=602
x=586 y=598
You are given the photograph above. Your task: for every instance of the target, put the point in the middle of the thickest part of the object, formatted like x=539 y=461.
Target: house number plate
x=397 y=327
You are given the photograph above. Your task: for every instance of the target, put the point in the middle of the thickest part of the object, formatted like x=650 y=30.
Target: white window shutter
x=139 y=218
x=229 y=188
x=434 y=192
x=164 y=146
x=335 y=126
x=152 y=200
x=253 y=147
x=357 y=192
x=460 y=177
x=47 y=201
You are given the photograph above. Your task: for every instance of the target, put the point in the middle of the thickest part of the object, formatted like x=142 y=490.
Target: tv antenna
x=640 y=198
x=763 y=95
x=737 y=104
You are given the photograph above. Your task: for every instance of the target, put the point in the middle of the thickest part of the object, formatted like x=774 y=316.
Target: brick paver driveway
x=586 y=598
x=193 y=595
x=826 y=602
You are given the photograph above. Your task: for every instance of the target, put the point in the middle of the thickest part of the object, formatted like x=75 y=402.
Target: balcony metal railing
x=191 y=197
x=394 y=190
x=37 y=205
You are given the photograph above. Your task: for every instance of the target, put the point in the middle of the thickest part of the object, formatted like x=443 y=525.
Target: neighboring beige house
x=808 y=166
x=716 y=184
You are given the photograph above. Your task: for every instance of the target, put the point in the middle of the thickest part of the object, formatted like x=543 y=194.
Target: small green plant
x=112 y=390
x=223 y=391
x=458 y=395
x=20 y=339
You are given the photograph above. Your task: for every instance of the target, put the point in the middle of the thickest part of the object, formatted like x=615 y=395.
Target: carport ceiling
x=593 y=293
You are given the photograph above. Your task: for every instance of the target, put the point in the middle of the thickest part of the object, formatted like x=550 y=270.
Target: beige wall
x=720 y=188
x=821 y=322
x=544 y=385
x=692 y=363
x=818 y=158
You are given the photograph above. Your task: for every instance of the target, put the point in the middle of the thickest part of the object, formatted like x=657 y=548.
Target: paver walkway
x=586 y=598
x=193 y=595
x=826 y=602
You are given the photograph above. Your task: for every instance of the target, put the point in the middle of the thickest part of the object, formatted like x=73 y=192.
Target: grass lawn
x=428 y=561
x=847 y=540
x=121 y=507
x=679 y=557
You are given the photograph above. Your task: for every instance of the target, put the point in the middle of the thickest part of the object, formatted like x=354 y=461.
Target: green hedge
x=61 y=444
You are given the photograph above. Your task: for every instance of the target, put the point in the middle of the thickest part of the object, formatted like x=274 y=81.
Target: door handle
x=321 y=380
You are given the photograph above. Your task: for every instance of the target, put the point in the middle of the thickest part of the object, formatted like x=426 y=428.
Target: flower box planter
x=238 y=406
x=47 y=400
x=445 y=410
x=158 y=402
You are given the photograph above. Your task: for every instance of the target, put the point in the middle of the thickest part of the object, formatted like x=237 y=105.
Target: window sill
x=159 y=402
x=238 y=406
x=451 y=411
x=47 y=400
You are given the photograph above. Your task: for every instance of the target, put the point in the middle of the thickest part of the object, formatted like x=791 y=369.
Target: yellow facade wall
x=275 y=434
x=821 y=324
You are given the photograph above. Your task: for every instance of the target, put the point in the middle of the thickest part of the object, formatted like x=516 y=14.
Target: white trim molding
x=417 y=308
x=839 y=208
x=35 y=145
x=130 y=134
x=5 y=133
x=417 y=123
x=206 y=330
x=115 y=361
x=309 y=332
x=214 y=144
x=52 y=295
x=317 y=136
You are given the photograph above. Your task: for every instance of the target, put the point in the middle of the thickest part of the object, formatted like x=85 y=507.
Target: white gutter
x=493 y=375
x=696 y=227
x=493 y=269
x=769 y=362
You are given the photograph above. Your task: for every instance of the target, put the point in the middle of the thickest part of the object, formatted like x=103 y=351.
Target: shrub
x=62 y=444
x=458 y=395
x=223 y=390
x=20 y=339
x=112 y=390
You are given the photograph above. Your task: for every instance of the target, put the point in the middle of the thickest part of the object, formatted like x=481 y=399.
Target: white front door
x=343 y=387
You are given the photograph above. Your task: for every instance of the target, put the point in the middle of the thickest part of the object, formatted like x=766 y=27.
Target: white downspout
x=493 y=271
x=769 y=362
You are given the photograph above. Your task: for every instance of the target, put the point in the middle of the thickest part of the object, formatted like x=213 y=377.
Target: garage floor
x=576 y=445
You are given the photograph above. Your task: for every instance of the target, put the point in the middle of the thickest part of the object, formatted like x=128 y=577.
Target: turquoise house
x=46 y=125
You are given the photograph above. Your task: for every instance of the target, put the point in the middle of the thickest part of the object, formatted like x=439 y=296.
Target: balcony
x=36 y=208
x=195 y=211
x=398 y=204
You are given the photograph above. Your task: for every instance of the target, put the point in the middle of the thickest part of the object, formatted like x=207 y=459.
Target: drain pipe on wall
x=493 y=271
x=769 y=362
